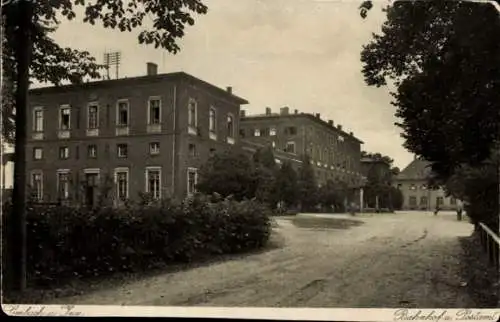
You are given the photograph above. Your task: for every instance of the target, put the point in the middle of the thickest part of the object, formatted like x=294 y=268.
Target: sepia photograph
x=251 y=154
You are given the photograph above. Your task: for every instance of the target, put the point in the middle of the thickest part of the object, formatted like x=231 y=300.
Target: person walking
x=436 y=210
x=460 y=209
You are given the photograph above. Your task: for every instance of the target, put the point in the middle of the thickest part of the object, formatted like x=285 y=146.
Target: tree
x=286 y=185
x=307 y=186
x=444 y=59
x=28 y=50
x=228 y=173
x=265 y=174
x=332 y=195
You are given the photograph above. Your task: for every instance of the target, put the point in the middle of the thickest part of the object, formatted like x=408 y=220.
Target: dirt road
x=392 y=260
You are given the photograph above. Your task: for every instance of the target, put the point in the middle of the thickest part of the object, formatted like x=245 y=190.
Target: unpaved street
x=392 y=260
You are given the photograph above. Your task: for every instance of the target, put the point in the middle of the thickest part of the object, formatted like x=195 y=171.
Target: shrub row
x=66 y=242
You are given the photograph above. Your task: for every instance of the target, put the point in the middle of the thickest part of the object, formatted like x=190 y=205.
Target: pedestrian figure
x=459 y=210
x=436 y=210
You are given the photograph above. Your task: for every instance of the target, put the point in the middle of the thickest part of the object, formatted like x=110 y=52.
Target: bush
x=66 y=242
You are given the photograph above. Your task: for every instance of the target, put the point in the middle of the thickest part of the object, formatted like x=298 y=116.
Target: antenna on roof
x=112 y=58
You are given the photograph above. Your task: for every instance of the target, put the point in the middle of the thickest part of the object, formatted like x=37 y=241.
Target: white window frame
x=39 y=196
x=192 y=128
x=35 y=149
x=190 y=170
x=150 y=99
x=124 y=100
x=294 y=147
x=35 y=110
x=272 y=131
x=118 y=150
x=126 y=171
x=59 y=172
x=212 y=127
x=61 y=108
x=66 y=154
x=146 y=173
x=154 y=152
x=96 y=105
x=256 y=132
x=88 y=151
x=233 y=121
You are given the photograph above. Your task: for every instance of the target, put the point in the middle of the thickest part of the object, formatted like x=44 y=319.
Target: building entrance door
x=90 y=189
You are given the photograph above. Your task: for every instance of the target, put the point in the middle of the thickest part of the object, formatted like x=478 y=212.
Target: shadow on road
x=325 y=223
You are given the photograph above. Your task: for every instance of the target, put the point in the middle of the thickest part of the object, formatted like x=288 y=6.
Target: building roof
x=138 y=79
x=302 y=115
x=418 y=169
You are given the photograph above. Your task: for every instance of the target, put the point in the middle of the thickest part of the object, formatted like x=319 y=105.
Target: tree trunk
x=23 y=57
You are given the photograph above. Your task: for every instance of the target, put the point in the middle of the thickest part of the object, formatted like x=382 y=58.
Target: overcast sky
x=298 y=53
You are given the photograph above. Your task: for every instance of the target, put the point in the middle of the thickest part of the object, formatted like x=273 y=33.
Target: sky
x=304 y=54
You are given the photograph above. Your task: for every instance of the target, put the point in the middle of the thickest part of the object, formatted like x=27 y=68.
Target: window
x=242 y=133
x=423 y=201
x=192 y=180
x=154 y=148
x=212 y=126
x=37 y=153
x=453 y=201
x=290 y=147
x=92 y=151
x=93 y=116
x=400 y=186
x=64 y=117
x=264 y=132
x=212 y=151
x=63 y=153
x=192 y=117
x=413 y=201
x=122 y=150
x=63 y=184
x=292 y=130
x=121 y=179
x=153 y=182
x=272 y=131
x=122 y=113
x=37 y=185
x=439 y=201
x=423 y=187
x=412 y=187
x=38 y=119
x=192 y=150
x=154 y=111
x=230 y=126
x=256 y=132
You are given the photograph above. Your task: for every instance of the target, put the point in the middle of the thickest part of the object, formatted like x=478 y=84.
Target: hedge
x=65 y=242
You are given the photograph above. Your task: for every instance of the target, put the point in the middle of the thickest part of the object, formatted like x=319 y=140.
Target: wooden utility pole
x=23 y=52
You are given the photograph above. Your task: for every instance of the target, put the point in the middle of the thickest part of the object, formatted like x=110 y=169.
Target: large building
x=376 y=169
x=143 y=134
x=412 y=181
x=334 y=153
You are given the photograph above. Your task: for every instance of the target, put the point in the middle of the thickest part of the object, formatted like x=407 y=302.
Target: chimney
x=242 y=113
x=268 y=111
x=152 y=69
x=284 y=110
x=229 y=89
x=330 y=122
x=318 y=115
x=339 y=127
x=296 y=111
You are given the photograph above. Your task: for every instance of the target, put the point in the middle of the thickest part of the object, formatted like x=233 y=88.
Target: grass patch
x=325 y=223
x=480 y=276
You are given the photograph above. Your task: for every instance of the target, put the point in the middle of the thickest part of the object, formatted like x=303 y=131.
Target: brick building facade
x=142 y=134
x=335 y=154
